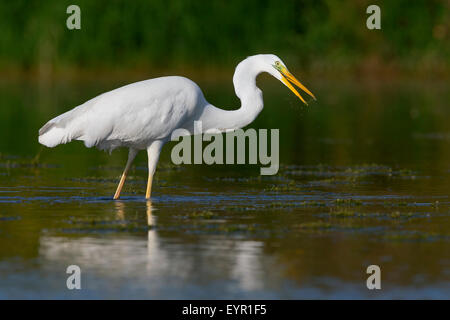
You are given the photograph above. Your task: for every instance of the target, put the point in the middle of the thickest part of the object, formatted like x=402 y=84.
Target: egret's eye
x=277 y=65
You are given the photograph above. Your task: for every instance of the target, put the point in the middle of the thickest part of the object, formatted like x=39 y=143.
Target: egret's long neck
x=244 y=81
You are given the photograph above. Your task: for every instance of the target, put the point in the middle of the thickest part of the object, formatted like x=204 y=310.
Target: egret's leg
x=153 y=156
x=131 y=155
x=149 y=187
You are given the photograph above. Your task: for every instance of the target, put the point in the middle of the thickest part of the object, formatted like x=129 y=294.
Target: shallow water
x=364 y=179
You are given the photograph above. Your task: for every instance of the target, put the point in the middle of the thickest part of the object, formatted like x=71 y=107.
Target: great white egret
x=143 y=115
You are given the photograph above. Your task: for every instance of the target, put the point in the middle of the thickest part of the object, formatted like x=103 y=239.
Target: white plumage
x=144 y=114
x=133 y=115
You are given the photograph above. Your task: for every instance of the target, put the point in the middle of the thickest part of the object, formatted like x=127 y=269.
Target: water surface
x=364 y=179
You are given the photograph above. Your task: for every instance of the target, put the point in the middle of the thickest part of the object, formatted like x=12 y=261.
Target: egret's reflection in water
x=159 y=264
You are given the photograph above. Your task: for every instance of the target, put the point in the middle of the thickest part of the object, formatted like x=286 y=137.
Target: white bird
x=143 y=115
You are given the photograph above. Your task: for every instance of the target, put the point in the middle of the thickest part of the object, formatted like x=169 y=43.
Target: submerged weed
x=202 y=215
x=399 y=214
x=348 y=202
x=315 y=225
x=342 y=213
x=280 y=205
x=291 y=186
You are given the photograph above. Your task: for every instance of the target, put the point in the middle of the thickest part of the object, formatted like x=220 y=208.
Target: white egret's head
x=274 y=66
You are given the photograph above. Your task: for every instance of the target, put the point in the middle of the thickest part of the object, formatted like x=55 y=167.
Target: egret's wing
x=133 y=114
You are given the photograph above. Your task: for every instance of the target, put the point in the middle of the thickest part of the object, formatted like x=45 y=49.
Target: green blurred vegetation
x=313 y=35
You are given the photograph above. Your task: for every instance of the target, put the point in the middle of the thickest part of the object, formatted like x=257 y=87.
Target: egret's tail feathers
x=59 y=130
x=51 y=135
